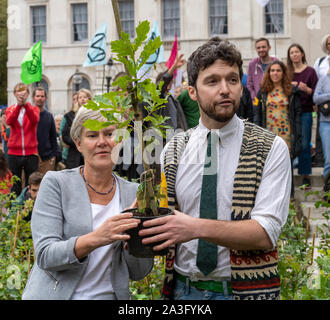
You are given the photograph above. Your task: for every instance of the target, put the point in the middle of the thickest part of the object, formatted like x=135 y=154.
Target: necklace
x=100 y=193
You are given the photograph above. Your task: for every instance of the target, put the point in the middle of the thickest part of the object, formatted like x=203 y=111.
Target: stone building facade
x=65 y=26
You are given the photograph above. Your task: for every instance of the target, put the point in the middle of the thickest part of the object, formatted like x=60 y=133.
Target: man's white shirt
x=272 y=200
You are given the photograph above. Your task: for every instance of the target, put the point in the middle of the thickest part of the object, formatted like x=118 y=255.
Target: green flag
x=31 y=65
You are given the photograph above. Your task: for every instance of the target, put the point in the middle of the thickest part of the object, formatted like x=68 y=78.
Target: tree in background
x=3 y=51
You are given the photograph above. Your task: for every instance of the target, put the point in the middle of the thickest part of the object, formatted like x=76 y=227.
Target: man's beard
x=39 y=105
x=209 y=110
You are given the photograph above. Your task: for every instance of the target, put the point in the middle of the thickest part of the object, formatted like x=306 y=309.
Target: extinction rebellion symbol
x=100 y=55
x=33 y=65
x=154 y=57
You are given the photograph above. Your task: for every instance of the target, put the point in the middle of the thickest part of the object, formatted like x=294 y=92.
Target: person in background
x=59 y=163
x=5 y=133
x=65 y=147
x=322 y=67
x=279 y=108
x=245 y=110
x=322 y=64
x=322 y=97
x=184 y=85
x=258 y=66
x=304 y=78
x=172 y=108
x=77 y=226
x=30 y=192
x=22 y=119
x=1 y=147
x=244 y=80
x=5 y=175
x=177 y=91
x=46 y=133
x=190 y=109
x=58 y=119
x=74 y=158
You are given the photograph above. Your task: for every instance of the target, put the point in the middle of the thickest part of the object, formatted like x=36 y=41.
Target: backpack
x=320 y=61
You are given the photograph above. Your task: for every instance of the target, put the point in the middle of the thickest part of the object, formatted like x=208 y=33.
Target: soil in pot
x=135 y=245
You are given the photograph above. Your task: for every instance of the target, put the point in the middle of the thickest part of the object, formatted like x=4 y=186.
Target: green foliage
x=300 y=279
x=16 y=249
x=318 y=286
x=137 y=100
x=125 y=106
x=150 y=287
x=294 y=257
x=3 y=51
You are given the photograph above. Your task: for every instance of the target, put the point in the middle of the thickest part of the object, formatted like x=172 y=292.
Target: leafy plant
x=294 y=257
x=16 y=249
x=135 y=106
x=300 y=278
x=150 y=287
x=3 y=50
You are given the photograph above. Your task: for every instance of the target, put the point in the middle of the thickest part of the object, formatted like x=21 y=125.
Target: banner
x=96 y=53
x=31 y=69
x=263 y=3
x=174 y=53
x=157 y=57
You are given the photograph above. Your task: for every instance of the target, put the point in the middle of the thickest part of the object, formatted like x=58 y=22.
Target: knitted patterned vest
x=254 y=273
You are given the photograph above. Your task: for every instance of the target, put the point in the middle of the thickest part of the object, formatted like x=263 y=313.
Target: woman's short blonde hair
x=324 y=43
x=80 y=118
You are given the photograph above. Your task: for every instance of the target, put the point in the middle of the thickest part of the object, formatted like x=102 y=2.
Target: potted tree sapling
x=135 y=106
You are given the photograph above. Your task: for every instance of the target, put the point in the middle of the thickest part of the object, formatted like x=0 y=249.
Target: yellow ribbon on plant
x=163 y=192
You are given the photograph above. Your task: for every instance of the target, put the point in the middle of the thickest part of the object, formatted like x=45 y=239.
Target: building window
x=38 y=18
x=274 y=17
x=79 y=22
x=218 y=17
x=171 y=18
x=126 y=11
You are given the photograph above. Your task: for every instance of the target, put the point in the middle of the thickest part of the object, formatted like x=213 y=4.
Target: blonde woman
x=74 y=158
x=77 y=228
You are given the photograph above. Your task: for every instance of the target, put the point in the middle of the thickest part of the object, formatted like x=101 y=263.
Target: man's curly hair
x=208 y=53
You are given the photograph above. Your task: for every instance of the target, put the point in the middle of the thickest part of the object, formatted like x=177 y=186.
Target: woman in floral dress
x=279 y=108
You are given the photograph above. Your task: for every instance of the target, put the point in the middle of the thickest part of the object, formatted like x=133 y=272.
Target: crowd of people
x=282 y=98
x=33 y=140
x=225 y=226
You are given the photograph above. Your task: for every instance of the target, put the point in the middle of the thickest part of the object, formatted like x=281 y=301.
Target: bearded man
x=228 y=182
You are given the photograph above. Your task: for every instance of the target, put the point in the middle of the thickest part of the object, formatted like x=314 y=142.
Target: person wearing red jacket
x=23 y=119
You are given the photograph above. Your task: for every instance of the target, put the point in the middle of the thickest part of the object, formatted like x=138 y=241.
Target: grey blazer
x=62 y=213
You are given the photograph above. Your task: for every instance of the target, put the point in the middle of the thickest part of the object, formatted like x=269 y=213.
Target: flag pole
x=115 y=8
x=136 y=108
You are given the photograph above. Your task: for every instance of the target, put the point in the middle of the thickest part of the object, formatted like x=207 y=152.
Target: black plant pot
x=135 y=245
